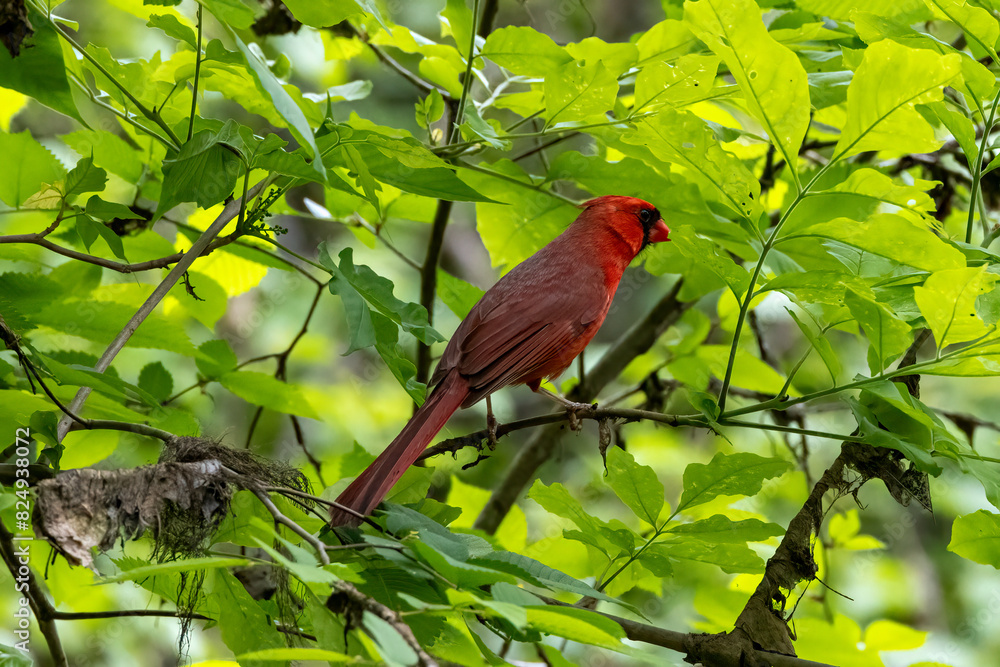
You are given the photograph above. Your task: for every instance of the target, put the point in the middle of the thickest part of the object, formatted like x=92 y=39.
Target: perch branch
x=537 y=451
x=359 y=599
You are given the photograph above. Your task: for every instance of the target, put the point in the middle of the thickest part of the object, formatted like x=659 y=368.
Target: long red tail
x=372 y=485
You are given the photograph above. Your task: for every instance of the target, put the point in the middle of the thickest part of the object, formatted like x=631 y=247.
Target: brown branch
x=537 y=451
x=345 y=595
x=428 y=282
x=696 y=646
x=39 y=603
x=160 y=263
x=486 y=20
x=476 y=438
x=279 y=517
x=763 y=621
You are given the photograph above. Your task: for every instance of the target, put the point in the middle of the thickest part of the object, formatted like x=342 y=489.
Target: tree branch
x=197 y=248
x=40 y=604
x=346 y=592
x=160 y=263
x=632 y=343
x=693 y=645
x=428 y=282
x=763 y=621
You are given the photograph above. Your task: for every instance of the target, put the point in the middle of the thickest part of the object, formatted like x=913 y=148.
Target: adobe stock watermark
x=22 y=539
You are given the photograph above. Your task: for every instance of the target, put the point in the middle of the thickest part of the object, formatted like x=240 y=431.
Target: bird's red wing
x=515 y=341
x=543 y=348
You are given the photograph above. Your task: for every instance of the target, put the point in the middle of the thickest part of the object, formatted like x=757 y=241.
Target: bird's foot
x=576 y=411
x=491 y=430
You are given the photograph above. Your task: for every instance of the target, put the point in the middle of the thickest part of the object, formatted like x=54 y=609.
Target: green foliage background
x=827 y=171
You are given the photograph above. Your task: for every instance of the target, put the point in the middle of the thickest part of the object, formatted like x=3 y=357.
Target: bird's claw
x=574 y=411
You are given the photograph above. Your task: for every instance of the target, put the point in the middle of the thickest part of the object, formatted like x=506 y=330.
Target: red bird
x=529 y=326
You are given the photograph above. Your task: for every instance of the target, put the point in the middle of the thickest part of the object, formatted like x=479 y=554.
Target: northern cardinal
x=529 y=326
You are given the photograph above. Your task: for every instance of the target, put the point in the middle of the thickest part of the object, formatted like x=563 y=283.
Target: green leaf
x=740 y=474
x=204 y=171
x=99 y=209
x=719 y=529
x=101 y=321
x=392 y=647
x=430 y=109
x=891 y=80
x=524 y=50
x=457 y=294
x=27 y=165
x=39 y=71
x=618 y=57
x=894 y=237
x=155 y=379
x=636 y=485
x=523 y=221
x=172 y=26
x=323 y=13
x=683 y=82
x=269 y=392
x=681 y=137
x=476 y=127
x=363 y=177
x=169 y=567
x=887 y=334
x=89 y=230
x=231 y=12
x=977 y=23
x=109 y=151
x=539 y=574
x=915 y=438
x=578 y=92
x=947 y=300
x=976 y=537
x=730 y=557
x=555 y=499
x=84 y=177
x=377 y=291
x=821 y=344
x=215 y=358
x=272 y=89
x=243 y=623
x=579 y=625
x=701 y=253
x=456 y=20
x=875 y=184
x=770 y=75
x=827 y=89
x=401 y=162
x=295 y=653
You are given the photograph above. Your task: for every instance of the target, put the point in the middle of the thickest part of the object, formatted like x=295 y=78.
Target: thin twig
x=279 y=517
x=228 y=213
x=424 y=86
x=359 y=599
x=197 y=73
x=159 y=263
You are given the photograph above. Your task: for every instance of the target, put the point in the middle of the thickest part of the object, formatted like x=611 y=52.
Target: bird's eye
x=645 y=215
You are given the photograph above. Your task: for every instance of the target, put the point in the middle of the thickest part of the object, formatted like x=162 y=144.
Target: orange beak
x=659 y=232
